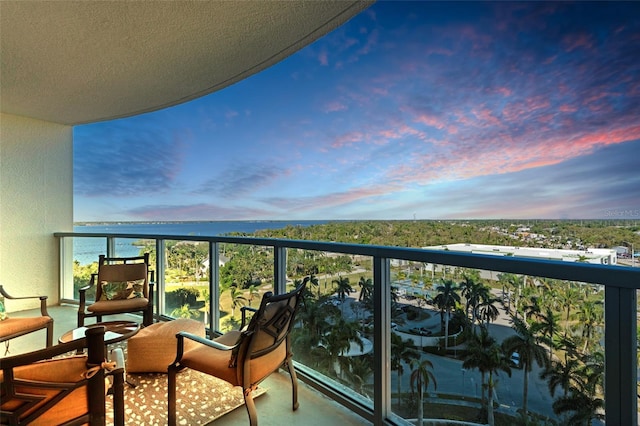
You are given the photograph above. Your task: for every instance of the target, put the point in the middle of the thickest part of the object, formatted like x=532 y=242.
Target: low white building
x=591 y=255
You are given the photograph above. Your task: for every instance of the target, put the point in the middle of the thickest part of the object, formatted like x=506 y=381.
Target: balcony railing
x=620 y=285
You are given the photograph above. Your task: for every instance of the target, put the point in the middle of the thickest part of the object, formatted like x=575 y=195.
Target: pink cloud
x=504 y=91
x=347 y=139
x=567 y=108
x=323 y=58
x=331 y=199
x=431 y=121
x=577 y=41
x=335 y=106
x=498 y=155
x=486 y=117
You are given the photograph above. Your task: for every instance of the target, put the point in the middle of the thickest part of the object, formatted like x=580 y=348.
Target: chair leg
x=294 y=383
x=251 y=407
x=147 y=317
x=171 y=395
x=50 y=334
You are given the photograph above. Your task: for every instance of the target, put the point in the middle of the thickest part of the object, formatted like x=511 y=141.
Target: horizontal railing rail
x=620 y=283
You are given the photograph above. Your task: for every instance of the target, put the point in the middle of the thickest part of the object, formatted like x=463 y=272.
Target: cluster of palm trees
x=563 y=323
x=559 y=327
x=326 y=335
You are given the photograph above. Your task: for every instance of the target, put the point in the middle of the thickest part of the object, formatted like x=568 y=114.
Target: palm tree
x=343 y=288
x=487 y=311
x=402 y=351
x=446 y=299
x=253 y=293
x=338 y=340
x=590 y=316
x=366 y=289
x=584 y=401
x=359 y=373
x=524 y=342
x=237 y=299
x=469 y=290
x=564 y=375
x=316 y=320
x=475 y=294
x=313 y=280
x=421 y=376
x=478 y=349
x=567 y=298
x=184 y=311
x=517 y=282
x=496 y=360
x=548 y=327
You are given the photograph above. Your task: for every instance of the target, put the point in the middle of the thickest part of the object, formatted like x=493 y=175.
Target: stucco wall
x=36 y=200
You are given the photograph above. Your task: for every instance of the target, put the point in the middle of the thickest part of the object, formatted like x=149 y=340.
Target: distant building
x=622 y=251
x=591 y=255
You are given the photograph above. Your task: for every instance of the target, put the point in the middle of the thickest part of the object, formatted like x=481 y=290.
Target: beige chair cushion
x=11 y=326
x=62 y=370
x=155 y=346
x=216 y=363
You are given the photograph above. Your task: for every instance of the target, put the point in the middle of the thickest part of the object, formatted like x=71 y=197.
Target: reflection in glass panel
x=505 y=344
x=334 y=336
x=186 y=280
x=86 y=251
x=246 y=273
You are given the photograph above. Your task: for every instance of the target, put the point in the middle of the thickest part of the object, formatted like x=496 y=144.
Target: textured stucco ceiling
x=74 y=62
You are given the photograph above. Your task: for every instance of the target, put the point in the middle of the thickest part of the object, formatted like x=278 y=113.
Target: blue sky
x=426 y=110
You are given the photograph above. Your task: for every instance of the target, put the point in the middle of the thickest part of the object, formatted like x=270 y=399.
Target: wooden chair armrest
x=244 y=310
x=202 y=340
x=8 y=296
x=43 y=300
x=82 y=292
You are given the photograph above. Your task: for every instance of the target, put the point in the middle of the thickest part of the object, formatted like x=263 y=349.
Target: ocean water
x=87 y=250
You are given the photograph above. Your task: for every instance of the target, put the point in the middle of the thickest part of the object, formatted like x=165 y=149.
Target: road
x=452 y=379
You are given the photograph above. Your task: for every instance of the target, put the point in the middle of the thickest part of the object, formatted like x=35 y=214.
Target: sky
x=410 y=110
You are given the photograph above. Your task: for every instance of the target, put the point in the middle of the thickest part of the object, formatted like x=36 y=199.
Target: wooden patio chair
x=122 y=285
x=246 y=357
x=66 y=390
x=15 y=326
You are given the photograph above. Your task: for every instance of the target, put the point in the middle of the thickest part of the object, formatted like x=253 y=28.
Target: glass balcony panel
x=537 y=327
x=131 y=247
x=86 y=251
x=246 y=273
x=186 y=280
x=335 y=328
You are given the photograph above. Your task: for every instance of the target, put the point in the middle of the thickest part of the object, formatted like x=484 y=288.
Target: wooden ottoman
x=155 y=346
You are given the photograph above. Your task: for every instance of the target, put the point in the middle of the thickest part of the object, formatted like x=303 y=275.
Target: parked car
x=515 y=360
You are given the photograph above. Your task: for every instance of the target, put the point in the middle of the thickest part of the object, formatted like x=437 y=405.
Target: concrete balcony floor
x=274 y=408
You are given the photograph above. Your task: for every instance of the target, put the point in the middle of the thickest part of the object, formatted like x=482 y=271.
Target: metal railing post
x=214 y=286
x=381 y=339
x=160 y=273
x=620 y=376
x=279 y=269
